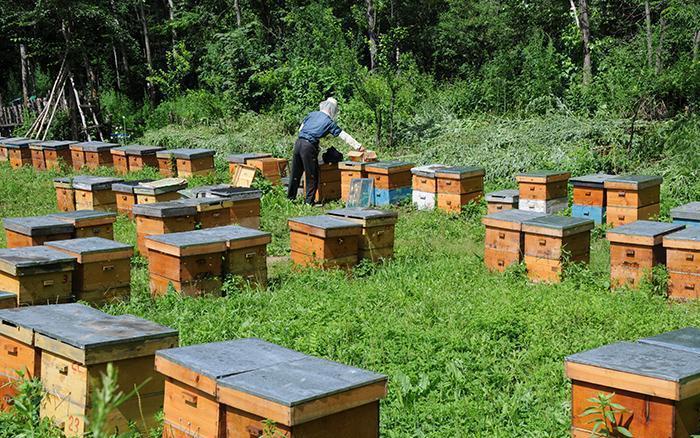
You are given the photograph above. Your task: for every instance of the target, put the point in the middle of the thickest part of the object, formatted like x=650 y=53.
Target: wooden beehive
x=191 y=261
x=272 y=169
x=688 y=214
x=167 y=166
x=119 y=160
x=4 y=154
x=245 y=205
x=544 y=192
x=135 y=157
x=50 y=154
x=103 y=269
x=425 y=188
x=18 y=152
x=655 y=379
x=89 y=223
x=328 y=183
x=18 y=353
x=33 y=231
x=98 y=154
x=8 y=300
x=77 y=156
x=125 y=196
x=457 y=186
x=300 y=398
x=161 y=218
x=504 y=242
x=349 y=170
x=589 y=197
x=631 y=198
x=683 y=262
x=162 y=190
x=36 y=274
x=326 y=241
x=95 y=193
x=75 y=355
x=246 y=252
x=635 y=249
x=65 y=195
x=552 y=241
x=392 y=181
x=191 y=374
x=211 y=212
x=234 y=160
x=377 y=240
x=206 y=191
x=502 y=200
x=190 y=162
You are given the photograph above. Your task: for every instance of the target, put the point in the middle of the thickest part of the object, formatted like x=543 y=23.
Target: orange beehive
x=95 y=193
x=392 y=181
x=211 y=212
x=328 y=183
x=543 y=192
x=377 y=240
x=162 y=190
x=683 y=262
x=167 y=166
x=504 y=243
x=135 y=157
x=631 y=198
x=33 y=231
x=234 y=160
x=246 y=252
x=97 y=154
x=18 y=152
x=119 y=161
x=4 y=154
x=77 y=156
x=50 y=154
x=190 y=162
x=457 y=186
x=272 y=169
x=635 y=249
x=349 y=170
x=161 y=218
x=89 y=223
x=65 y=195
x=245 y=205
x=126 y=198
x=326 y=241
x=502 y=200
x=36 y=274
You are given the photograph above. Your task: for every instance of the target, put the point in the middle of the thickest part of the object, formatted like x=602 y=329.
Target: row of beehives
x=240 y=388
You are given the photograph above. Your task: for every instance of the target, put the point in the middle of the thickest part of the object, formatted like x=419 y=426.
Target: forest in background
x=398 y=67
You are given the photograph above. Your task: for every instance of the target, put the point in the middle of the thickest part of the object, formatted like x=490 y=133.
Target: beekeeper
x=315 y=126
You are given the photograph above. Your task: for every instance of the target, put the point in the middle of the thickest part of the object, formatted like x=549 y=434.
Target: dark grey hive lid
x=325 y=222
x=187 y=239
x=75 y=217
x=19 y=144
x=428 y=170
x=89 y=245
x=164 y=209
x=237 y=193
x=127 y=186
x=363 y=213
x=643 y=359
x=685 y=339
x=63 y=180
x=47 y=316
x=638 y=181
x=463 y=171
x=387 y=164
x=509 y=196
x=301 y=381
x=12 y=139
x=191 y=154
x=689 y=211
x=646 y=228
x=54 y=144
x=230 y=233
x=560 y=222
x=37 y=225
x=222 y=359
x=242 y=158
x=13 y=260
x=689 y=233
x=139 y=149
x=97 y=146
x=596 y=180
x=92 y=183
x=517 y=216
x=542 y=173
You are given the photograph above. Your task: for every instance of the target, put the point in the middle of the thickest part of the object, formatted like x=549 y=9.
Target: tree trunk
x=573 y=9
x=25 y=74
x=650 y=47
x=660 y=46
x=116 y=67
x=696 y=45
x=237 y=8
x=586 y=39
x=372 y=34
x=171 y=16
x=147 y=48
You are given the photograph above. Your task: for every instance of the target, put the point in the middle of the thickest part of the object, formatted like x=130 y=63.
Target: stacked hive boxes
x=377 y=239
x=103 y=269
x=552 y=241
x=688 y=214
x=18 y=152
x=191 y=162
x=328 y=182
x=216 y=390
x=657 y=381
x=502 y=200
x=504 y=242
x=544 y=192
x=326 y=241
x=349 y=170
x=392 y=181
x=36 y=274
x=683 y=262
x=135 y=157
x=94 y=193
x=49 y=154
x=635 y=249
x=89 y=223
x=126 y=198
x=632 y=198
x=424 y=183
x=162 y=190
x=33 y=231
x=589 y=197
x=457 y=186
x=162 y=218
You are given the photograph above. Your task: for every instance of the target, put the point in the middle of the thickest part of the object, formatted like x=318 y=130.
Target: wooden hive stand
x=51 y=154
x=635 y=249
x=504 y=243
x=589 y=197
x=502 y=200
x=18 y=353
x=95 y=193
x=683 y=262
x=377 y=240
x=126 y=198
x=424 y=184
x=18 y=152
x=349 y=170
x=301 y=397
x=191 y=162
x=36 y=274
x=392 y=181
x=89 y=223
x=236 y=160
x=33 y=231
x=162 y=218
x=246 y=253
x=552 y=241
x=74 y=355
x=457 y=186
x=211 y=212
x=245 y=205
x=272 y=169
x=543 y=192
x=688 y=214
x=191 y=408
x=167 y=166
x=631 y=198
x=65 y=195
x=655 y=379
x=8 y=300
x=98 y=154
x=191 y=261
x=162 y=190
x=135 y=157
x=326 y=241
x=103 y=269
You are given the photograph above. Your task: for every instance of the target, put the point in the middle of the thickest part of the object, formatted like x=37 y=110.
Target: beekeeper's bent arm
x=347 y=138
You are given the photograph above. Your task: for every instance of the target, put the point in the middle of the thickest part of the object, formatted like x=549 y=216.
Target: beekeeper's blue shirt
x=317 y=125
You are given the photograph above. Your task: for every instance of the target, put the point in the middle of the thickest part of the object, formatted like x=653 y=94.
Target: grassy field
x=468 y=352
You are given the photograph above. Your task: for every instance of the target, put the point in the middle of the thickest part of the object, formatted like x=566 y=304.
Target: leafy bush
x=191 y=109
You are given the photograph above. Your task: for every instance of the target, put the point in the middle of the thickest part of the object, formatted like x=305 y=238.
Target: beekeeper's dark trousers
x=304 y=161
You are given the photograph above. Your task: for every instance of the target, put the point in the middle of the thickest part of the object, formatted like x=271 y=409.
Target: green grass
x=468 y=352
